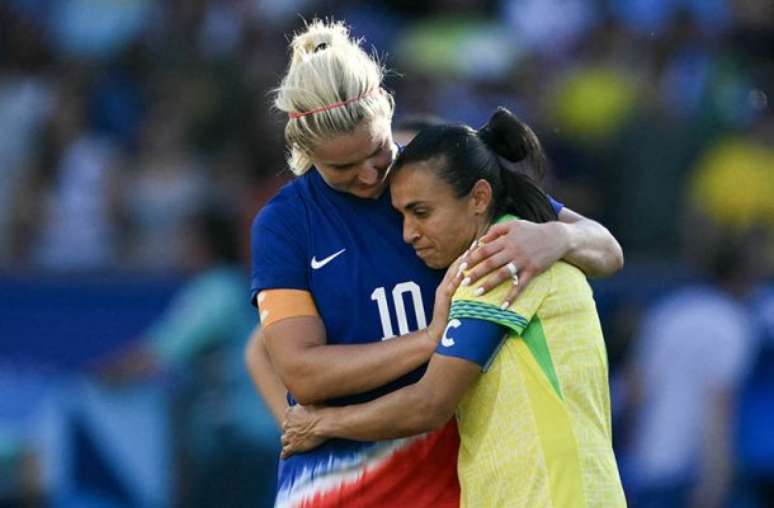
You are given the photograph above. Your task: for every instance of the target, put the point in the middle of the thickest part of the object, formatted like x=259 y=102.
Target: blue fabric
x=557 y=206
x=475 y=340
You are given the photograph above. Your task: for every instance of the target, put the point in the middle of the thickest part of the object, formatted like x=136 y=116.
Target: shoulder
x=567 y=277
x=283 y=210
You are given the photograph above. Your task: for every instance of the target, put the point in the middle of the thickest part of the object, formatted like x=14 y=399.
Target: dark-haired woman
x=527 y=380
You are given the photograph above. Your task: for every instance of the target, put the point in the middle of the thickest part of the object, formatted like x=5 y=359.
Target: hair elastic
x=293 y=115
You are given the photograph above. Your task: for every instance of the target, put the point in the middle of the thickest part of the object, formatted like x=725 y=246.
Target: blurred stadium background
x=135 y=135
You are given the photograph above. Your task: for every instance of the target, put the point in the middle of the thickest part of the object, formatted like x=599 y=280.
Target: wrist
x=431 y=335
x=326 y=426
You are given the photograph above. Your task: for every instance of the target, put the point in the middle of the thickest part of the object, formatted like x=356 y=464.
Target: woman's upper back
x=543 y=407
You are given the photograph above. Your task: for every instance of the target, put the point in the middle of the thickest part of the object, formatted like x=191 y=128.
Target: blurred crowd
x=124 y=122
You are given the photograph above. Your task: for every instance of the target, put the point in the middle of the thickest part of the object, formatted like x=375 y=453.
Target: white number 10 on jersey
x=380 y=297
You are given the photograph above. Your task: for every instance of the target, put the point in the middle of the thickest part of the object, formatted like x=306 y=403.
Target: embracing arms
x=533 y=248
x=314 y=371
x=590 y=246
x=420 y=407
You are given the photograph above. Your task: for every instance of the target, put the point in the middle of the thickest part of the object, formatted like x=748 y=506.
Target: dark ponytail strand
x=522 y=165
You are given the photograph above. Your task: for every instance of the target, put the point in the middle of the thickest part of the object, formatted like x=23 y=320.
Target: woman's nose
x=368 y=175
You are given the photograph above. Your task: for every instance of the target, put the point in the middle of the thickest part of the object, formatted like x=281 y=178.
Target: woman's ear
x=481 y=197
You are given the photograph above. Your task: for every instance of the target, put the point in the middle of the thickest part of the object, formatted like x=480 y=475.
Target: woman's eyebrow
x=414 y=204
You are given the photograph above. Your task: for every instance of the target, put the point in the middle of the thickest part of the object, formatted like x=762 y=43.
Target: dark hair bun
x=506 y=135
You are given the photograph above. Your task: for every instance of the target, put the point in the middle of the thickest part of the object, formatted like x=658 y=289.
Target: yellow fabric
x=521 y=444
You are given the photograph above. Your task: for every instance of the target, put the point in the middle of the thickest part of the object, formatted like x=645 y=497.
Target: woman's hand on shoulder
x=528 y=247
x=443 y=297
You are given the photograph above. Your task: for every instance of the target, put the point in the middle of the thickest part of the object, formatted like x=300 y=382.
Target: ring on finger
x=512 y=269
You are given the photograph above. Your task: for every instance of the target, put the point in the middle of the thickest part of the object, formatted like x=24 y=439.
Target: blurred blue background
x=138 y=143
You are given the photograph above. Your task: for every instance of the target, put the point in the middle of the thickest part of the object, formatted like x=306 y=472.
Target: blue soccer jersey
x=367 y=285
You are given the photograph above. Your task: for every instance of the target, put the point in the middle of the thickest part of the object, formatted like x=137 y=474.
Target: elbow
x=610 y=260
x=616 y=258
x=304 y=395
x=302 y=385
x=295 y=377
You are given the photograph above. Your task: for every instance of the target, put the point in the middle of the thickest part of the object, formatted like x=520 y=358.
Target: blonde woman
x=333 y=281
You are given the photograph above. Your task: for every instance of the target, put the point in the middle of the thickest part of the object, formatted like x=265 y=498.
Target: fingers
x=494 y=232
x=453 y=274
x=513 y=293
x=516 y=289
x=480 y=254
x=495 y=265
x=285 y=440
x=288 y=447
x=458 y=272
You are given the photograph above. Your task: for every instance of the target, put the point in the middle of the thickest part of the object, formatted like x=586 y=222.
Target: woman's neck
x=482 y=229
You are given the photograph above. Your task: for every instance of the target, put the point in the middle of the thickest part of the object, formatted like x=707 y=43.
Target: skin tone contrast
x=440 y=226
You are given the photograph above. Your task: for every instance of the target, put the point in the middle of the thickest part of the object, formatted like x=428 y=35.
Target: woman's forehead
x=353 y=146
x=418 y=180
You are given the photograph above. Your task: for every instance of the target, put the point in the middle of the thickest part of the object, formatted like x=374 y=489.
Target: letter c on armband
x=446 y=341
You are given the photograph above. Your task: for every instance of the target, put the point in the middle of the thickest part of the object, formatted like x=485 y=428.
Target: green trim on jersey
x=536 y=342
x=507 y=217
x=487 y=312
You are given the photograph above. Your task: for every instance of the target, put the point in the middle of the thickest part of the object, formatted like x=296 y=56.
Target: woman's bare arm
x=421 y=407
x=533 y=248
x=591 y=247
x=315 y=371
x=264 y=376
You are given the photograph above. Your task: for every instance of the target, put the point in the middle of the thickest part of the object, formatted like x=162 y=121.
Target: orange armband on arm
x=277 y=304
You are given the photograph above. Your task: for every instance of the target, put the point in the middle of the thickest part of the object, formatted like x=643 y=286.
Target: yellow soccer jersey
x=535 y=427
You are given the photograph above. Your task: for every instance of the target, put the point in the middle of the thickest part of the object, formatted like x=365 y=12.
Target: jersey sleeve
x=556 y=205
x=475 y=340
x=279 y=247
x=466 y=305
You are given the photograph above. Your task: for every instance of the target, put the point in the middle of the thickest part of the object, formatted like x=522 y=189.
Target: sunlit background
x=137 y=143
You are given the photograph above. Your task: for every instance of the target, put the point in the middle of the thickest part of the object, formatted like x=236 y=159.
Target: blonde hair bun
x=328 y=89
x=317 y=36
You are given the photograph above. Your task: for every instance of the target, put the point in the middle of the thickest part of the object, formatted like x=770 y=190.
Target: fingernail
x=465 y=281
x=473 y=245
x=505 y=305
x=478 y=292
x=463 y=266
